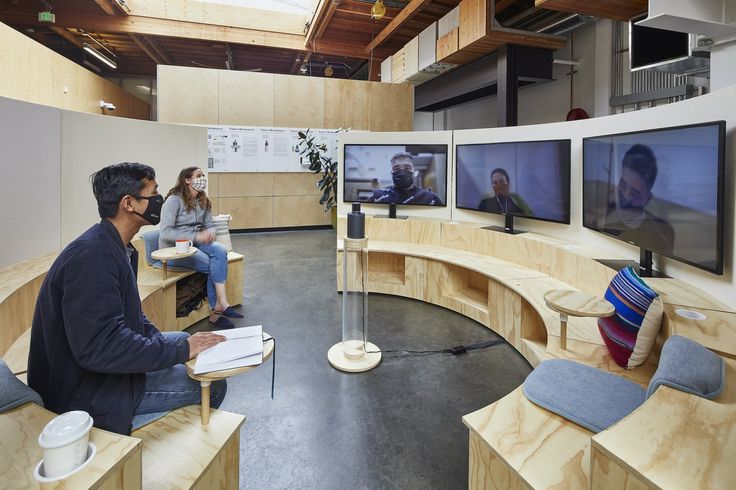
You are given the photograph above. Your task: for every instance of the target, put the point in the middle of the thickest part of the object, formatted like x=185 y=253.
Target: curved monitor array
x=661 y=190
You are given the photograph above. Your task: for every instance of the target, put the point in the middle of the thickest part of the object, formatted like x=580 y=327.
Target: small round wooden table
x=166 y=254
x=576 y=303
x=205 y=379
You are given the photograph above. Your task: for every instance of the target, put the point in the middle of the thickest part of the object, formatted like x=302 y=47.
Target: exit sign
x=46 y=17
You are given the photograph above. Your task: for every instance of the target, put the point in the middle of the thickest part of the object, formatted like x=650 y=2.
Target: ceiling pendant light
x=378 y=10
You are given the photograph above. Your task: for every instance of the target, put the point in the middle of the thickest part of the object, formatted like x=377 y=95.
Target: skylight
x=301 y=7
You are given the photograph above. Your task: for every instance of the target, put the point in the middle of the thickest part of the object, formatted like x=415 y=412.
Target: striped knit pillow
x=629 y=334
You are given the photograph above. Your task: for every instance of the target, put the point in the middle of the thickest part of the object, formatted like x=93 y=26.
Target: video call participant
x=92 y=348
x=501 y=202
x=626 y=217
x=404 y=191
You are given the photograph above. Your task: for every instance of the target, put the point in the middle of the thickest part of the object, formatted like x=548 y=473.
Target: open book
x=243 y=347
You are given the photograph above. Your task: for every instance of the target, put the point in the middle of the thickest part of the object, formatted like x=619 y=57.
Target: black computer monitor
x=528 y=179
x=407 y=175
x=661 y=190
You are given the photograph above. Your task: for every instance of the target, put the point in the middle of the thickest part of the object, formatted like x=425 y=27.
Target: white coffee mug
x=182 y=246
x=64 y=441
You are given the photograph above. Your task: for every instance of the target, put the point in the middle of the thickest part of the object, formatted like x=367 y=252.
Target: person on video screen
x=501 y=200
x=404 y=191
x=627 y=218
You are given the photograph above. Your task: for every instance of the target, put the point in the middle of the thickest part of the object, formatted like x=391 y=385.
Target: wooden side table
x=166 y=254
x=206 y=379
x=576 y=303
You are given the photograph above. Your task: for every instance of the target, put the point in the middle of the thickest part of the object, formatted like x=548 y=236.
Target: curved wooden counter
x=499 y=280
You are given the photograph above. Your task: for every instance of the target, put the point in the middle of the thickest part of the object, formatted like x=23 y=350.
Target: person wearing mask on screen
x=501 y=201
x=404 y=191
x=187 y=215
x=627 y=217
x=92 y=348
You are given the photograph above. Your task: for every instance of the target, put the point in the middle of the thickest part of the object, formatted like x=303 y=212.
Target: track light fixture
x=99 y=55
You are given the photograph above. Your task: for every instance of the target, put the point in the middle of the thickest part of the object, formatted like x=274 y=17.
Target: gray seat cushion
x=688 y=366
x=13 y=393
x=589 y=397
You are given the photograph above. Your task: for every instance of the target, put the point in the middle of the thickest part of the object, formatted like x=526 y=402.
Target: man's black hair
x=641 y=159
x=502 y=172
x=117 y=180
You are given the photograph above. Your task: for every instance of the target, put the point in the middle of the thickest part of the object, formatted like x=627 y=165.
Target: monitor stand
x=508 y=226
x=391 y=213
x=643 y=268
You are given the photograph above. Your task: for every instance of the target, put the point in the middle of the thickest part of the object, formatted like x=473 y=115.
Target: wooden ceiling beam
x=161 y=27
x=67 y=35
x=159 y=51
x=106 y=7
x=316 y=21
x=407 y=13
x=151 y=54
x=326 y=20
x=502 y=5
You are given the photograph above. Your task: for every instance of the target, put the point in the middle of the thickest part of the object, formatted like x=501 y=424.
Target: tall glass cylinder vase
x=355 y=297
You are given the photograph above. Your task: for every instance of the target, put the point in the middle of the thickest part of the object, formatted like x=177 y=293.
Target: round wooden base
x=337 y=359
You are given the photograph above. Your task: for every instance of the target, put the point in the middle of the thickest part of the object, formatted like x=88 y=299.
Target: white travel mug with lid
x=64 y=442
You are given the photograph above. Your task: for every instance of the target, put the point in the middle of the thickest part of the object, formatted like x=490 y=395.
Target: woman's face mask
x=199 y=184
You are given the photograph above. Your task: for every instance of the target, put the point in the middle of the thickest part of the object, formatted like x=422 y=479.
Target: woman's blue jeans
x=172 y=388
x=211 y=258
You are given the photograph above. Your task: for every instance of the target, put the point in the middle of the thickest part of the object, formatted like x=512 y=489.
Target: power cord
x=273 y=366
x=456 y=350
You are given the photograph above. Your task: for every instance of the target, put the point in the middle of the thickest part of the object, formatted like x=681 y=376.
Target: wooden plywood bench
x=162 y=309
x=175 y=451
x=500 y=280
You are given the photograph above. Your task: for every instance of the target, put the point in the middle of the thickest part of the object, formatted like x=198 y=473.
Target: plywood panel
x=246 y=99
x=296 y=184
x=297 y=211
x=215 y=205
x=398 y=66
x=473 y=21
x=31 y=72
x=391 y=107
x=248 y=212
x=299 y=102
x=447 y=44
x=487 y=471
x=188 y=95
x=346 y=104
x=245 y=184
x=213 y=184
x=606 y=474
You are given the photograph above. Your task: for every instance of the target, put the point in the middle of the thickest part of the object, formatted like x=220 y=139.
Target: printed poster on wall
x=254 y=149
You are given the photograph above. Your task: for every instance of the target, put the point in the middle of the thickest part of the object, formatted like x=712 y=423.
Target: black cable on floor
x=273 y=366
x=456 y=350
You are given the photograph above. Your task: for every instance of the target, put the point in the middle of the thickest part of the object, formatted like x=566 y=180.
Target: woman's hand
x=205 y=236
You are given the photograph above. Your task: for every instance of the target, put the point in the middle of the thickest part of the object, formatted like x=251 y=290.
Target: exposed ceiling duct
x=568 y=24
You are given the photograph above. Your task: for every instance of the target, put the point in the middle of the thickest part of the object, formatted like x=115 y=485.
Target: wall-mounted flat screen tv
x=529 y=179
x=412 y=174
x=661 y=190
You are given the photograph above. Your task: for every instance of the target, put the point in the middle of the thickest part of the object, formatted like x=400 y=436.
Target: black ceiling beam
x=479 y=79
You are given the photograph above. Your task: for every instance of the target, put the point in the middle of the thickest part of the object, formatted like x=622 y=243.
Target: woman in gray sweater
x=186 y=215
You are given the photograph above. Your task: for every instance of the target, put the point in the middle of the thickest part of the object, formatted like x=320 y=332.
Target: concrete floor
x=397 y=426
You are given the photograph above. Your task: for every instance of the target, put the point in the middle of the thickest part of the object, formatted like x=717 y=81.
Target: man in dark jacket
x=404 y=191
x=92 y=348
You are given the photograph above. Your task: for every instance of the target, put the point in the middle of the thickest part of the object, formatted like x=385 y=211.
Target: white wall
x=90 y=142
x=30 y=164
x=47 y=156
x=716 y=106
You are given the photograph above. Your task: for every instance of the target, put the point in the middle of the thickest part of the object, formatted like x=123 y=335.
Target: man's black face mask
x=403 y=179
x=152 y=214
